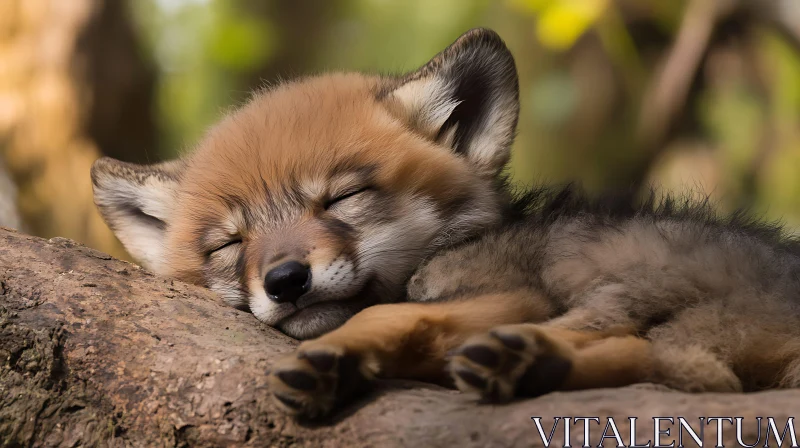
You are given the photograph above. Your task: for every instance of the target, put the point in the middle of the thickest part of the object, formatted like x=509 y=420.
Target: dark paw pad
x=507 y=362
x=511 y=341
x=313 y=382
x=298 y=379
x=545 y=375
x=322 y=361
x=289 y=402
x=482 y=355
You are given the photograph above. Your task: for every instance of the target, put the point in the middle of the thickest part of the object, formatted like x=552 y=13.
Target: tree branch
x=96 y=351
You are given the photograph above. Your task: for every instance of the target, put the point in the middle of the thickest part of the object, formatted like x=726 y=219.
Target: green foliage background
x=584 y=70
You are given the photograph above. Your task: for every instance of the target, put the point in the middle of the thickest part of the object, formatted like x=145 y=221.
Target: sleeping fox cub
x=326 y=199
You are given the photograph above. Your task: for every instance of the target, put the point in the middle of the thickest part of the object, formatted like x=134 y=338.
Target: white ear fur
x=426 y=103
x=466 y=98
x=137 y=202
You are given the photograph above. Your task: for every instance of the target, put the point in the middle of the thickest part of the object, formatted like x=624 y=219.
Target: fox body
x=323 y=201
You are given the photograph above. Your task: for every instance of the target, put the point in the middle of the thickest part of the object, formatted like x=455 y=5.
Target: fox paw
x=315 y=380
x=511 y=361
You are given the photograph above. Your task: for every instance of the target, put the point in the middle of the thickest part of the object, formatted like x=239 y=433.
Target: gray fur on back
x=681 y=276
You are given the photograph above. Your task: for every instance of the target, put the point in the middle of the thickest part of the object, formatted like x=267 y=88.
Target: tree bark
x=98 y=352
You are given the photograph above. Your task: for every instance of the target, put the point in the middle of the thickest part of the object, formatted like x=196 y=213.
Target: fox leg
x=404 y=340
x=532 y=359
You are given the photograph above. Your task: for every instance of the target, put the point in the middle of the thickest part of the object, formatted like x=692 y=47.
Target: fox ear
x=466 y=97
x=137 y=202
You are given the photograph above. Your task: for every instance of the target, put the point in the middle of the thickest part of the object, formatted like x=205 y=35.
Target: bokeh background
x=698 y=96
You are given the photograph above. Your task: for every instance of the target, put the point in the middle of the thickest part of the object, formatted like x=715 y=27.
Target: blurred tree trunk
x=121 y=80
x=9 y=216
x=302 y=28
x=72 y=86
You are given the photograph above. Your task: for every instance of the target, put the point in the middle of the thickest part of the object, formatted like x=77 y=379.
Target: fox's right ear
x=466 y=98
x=137 y=202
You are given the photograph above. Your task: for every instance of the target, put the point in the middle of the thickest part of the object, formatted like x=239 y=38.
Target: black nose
x=288 y=281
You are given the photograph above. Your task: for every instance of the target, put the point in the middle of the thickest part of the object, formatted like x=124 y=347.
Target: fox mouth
x=321 y=317
x=317 y=316
x=314 y=297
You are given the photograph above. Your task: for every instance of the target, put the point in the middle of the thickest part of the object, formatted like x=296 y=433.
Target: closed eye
x=340 y=198
x=230 y=243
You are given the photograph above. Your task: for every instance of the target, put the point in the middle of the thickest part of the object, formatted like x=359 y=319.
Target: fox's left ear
x=137 y=202
x=466 y=97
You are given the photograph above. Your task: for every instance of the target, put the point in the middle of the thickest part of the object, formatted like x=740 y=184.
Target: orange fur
x=383 y=189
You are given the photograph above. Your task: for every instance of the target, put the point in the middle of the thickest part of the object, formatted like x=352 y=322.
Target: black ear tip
x=481 y=47
x=481 y=34
x=481 y=37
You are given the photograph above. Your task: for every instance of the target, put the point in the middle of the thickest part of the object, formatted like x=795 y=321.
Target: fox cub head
x=321 y=196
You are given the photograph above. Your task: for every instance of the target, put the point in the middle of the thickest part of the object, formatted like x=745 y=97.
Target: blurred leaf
x=240 y=43
x=562 y=22
x=786 y=64
x=530 y=6
x=565 y=21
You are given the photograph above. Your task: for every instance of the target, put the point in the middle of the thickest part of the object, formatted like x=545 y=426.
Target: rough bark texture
x=96 y=351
